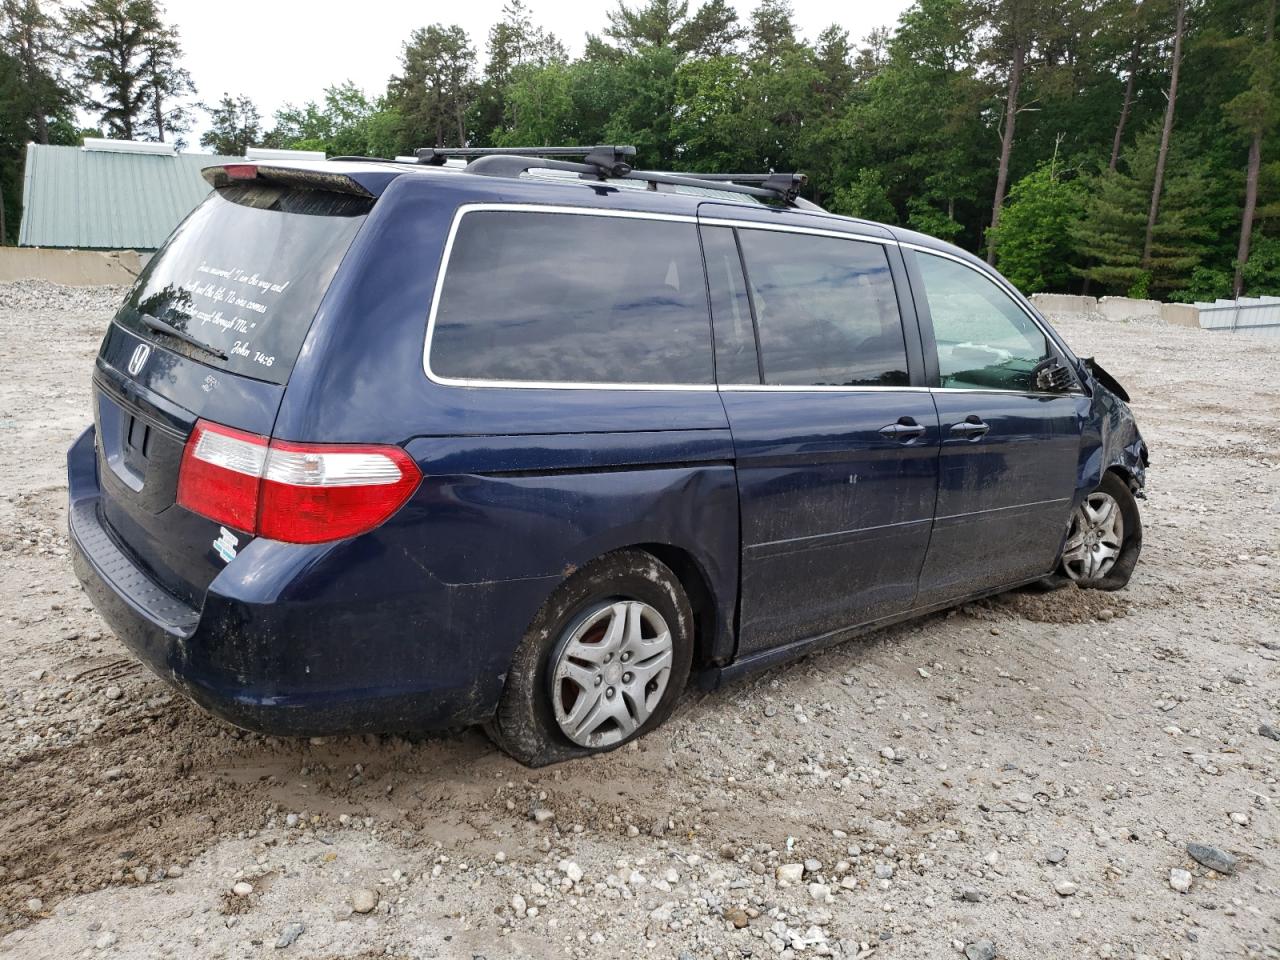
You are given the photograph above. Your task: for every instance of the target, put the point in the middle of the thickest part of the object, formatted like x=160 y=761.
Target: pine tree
x=31 y=34
x=1109 y=237
x=112 y=38
x=168 y=83
x=436 y=87
x=234 y=126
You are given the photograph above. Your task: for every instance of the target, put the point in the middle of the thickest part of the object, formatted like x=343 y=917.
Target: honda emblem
x=139 y=359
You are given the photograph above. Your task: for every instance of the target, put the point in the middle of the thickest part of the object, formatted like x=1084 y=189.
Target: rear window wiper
x=159 y=326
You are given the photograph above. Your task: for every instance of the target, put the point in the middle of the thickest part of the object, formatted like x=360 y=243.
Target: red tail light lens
x=221 y=475
x=313 y=493
x=297 y=493
x=241 y=171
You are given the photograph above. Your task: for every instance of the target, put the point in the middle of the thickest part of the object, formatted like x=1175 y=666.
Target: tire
x=1087 y=537
x=565 y=655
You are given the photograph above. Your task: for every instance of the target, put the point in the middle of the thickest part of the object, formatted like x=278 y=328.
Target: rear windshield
x=244 y=275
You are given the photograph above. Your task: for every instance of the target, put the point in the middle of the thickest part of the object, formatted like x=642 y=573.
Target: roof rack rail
x=606 y=162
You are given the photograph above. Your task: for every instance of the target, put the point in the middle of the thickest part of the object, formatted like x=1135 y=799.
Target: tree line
x=1105 y=146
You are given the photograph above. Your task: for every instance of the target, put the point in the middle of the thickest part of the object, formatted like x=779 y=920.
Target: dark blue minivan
x=392 y=446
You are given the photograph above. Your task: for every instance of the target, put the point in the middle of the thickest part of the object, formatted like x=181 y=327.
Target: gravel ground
x=1020 y=778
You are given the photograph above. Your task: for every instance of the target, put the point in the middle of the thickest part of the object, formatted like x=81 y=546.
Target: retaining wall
x=74 y=268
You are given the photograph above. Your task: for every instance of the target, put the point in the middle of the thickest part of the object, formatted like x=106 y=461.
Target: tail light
x=298 y=493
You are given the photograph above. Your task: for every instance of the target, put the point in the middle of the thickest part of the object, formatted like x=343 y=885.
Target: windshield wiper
x=159 y=326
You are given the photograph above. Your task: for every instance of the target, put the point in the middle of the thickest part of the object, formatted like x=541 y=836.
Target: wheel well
x=1123 y=473
x=696 y=587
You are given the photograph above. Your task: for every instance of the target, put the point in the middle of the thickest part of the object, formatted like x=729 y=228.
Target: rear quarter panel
x=521 y=486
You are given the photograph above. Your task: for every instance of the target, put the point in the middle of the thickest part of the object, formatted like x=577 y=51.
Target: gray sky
x=288 y=52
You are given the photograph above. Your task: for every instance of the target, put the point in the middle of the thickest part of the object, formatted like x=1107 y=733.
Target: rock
x=113 y=692
x=364 y=900
x=789 y=873
x=884 y=871
x=1106 y=614
x=980 y=950
x=819 y=892
x=140 y=875
x=737 y=916
x=35 y=905
x=1055 y=855
x=242 y=889
x=671 y=876
x=887 y=753
x=1212 y=857
x=1180 y=880
x=108 y=939
x=1240 y=819
x=770 y=710
x=1268 y=731
x=289 y=934
x=542 y=815
x=571 y=870
x=970 y=895
x=291 y=820
x=812 y=865
x=519 y=905
x=728 y=851
x=1065 y=888
x=174 y=871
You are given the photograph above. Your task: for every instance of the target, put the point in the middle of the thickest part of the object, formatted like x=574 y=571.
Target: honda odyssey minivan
x=530 y=442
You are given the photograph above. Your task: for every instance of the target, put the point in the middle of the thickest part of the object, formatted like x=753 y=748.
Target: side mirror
x=1051 y=376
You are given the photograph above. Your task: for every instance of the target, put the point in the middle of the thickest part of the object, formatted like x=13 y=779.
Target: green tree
x=111 y=37
x=1034 y=238
x=234 y=126
x=32 y=35
x=435 y=88
x=865 y=197
x=1109 y=236
x=514 y=41
x=167 y=84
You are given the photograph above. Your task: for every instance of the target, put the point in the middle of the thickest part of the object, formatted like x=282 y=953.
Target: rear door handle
x=971 y=428
x=905 y=429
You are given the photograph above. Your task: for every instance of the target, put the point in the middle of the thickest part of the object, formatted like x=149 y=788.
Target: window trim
x=1005 y=288
x=447 y=254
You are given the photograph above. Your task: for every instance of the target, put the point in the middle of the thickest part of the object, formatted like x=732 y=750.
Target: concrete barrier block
x=1181 y=314
x=1064 y=304
x=1128 y=310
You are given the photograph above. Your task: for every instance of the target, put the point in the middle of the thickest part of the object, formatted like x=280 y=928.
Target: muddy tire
x=604 y=661
x=1104 y=539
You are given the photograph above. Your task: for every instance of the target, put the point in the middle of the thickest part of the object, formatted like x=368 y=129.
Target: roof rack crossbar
x=609 y=162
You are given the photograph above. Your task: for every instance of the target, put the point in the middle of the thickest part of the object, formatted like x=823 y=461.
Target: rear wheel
x=1104 y=538
x=603 y=662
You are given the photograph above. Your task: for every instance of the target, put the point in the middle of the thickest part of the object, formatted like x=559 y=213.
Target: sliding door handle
x=905 y=429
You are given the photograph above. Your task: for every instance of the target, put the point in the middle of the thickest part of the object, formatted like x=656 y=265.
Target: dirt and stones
x=935 y=787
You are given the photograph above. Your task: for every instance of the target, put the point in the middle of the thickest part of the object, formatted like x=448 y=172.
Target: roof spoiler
x=302 y=178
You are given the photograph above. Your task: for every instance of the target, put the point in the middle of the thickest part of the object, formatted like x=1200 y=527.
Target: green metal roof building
x=108 y=194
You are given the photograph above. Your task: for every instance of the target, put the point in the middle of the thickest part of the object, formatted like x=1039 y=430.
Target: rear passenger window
x=826 y=310
x=572 y=298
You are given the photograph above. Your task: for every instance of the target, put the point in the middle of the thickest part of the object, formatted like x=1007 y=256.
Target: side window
x=735 y=334
x=572 y=298
x=984 y=339
x=825 y=310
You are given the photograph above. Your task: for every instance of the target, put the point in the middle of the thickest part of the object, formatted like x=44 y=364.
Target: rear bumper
x=258 y=656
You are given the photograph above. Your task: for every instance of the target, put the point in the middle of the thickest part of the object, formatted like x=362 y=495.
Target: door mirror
x=1051 y=376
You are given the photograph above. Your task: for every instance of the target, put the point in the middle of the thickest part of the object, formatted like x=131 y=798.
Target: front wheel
x=1104 y=538
x=603 y=662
